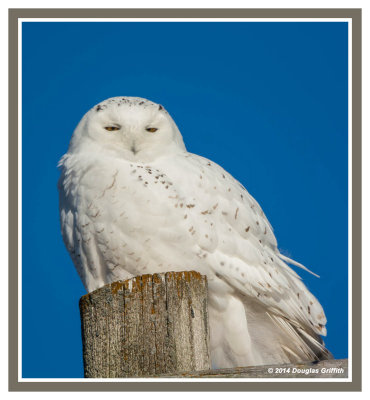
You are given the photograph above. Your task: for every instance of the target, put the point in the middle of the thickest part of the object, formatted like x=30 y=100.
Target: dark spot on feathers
x=190 y=205
x=192 y=312
x=309 y=309
x=247 y=229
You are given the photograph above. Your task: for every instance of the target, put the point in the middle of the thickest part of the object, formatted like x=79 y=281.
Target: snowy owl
x=133 y=201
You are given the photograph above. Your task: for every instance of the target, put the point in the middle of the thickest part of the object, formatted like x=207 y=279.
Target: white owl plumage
x=134 y=201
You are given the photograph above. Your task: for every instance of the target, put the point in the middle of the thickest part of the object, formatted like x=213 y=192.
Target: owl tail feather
x=297 y=264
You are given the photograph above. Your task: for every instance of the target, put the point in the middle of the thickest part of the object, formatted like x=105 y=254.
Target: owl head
x=132 y=128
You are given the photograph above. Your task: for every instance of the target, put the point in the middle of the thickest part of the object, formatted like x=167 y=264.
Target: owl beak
x=133 y=148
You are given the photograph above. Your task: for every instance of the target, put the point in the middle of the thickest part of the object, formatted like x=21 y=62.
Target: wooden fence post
x=147 y=325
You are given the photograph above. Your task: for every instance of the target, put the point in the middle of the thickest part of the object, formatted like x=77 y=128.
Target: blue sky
x=267 y=101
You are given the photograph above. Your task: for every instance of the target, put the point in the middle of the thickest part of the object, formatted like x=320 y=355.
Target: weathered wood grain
x=147 y=325
x=327 y=369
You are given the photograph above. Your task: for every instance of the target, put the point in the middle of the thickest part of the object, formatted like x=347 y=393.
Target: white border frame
x=210 y=20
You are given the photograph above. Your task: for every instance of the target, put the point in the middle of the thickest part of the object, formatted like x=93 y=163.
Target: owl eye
x=111 y=128
x=152 y=129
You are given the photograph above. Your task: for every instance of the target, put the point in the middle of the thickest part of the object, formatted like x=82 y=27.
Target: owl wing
x=77 y=215
x=241 y=246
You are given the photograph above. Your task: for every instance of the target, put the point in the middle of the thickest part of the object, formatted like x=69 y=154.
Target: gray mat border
x=14 y=15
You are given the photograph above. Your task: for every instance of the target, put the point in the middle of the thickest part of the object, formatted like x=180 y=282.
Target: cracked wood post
x=150 y=324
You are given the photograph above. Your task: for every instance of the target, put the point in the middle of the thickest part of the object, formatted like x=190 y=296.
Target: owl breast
x=129 y=219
